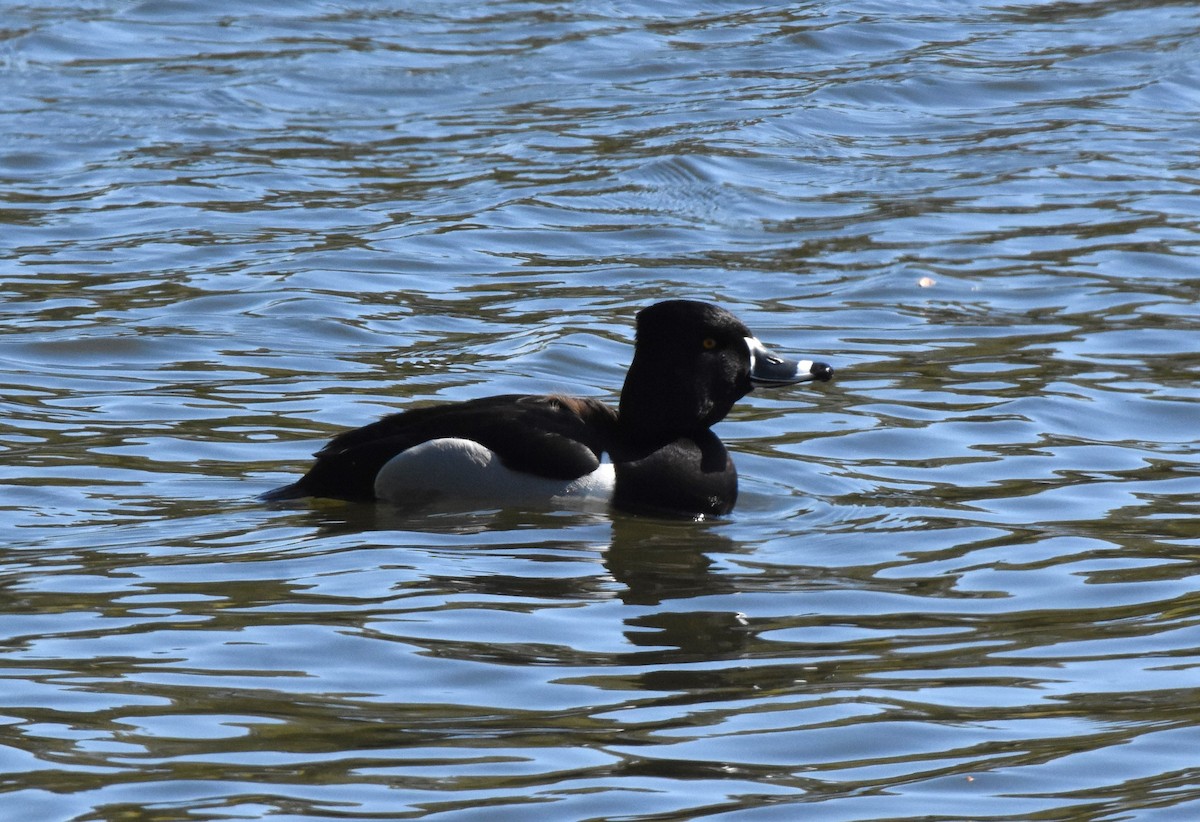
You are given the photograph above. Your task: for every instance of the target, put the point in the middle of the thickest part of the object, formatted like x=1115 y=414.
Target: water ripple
x=960 y=581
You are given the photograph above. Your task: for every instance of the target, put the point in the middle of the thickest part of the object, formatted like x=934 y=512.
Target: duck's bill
x=770 y=369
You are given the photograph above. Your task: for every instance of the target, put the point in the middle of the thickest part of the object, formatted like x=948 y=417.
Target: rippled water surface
x=963 y=579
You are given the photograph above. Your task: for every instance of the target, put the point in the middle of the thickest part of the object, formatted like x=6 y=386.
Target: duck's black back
x=548 y=436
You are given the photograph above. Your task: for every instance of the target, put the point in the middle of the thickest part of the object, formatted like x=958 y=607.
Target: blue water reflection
x=960 y=581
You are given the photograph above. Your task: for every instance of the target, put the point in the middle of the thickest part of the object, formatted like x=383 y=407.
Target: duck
x=654 y=453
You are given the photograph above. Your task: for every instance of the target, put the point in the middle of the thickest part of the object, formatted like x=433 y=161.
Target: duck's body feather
x=551 y=437
x=453 y=468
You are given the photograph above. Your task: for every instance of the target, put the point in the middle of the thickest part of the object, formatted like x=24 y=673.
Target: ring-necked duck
x=691 y=362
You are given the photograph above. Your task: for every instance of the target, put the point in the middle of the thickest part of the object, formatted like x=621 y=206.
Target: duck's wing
x=548 y=436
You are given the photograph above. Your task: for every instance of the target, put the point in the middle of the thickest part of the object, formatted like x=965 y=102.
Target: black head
x=691 y=363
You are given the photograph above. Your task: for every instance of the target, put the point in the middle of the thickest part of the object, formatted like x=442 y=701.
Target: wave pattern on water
x=961 y=582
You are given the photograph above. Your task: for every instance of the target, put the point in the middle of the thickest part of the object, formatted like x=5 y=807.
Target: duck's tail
x=285 y=492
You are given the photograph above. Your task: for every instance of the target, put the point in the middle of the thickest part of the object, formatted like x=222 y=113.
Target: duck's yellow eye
x=709 y=343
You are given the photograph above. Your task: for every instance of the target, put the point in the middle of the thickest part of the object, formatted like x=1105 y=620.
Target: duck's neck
x=666 y=457
x=655 y=409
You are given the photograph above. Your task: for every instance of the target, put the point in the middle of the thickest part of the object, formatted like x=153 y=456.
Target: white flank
x=463 y=469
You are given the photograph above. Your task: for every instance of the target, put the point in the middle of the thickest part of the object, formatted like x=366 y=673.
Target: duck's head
x=692 y=361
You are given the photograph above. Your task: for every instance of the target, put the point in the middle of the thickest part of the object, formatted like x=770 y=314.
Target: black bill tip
x=821 y=371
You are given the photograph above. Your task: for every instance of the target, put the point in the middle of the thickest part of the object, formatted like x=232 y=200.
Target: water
x=961 y=582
